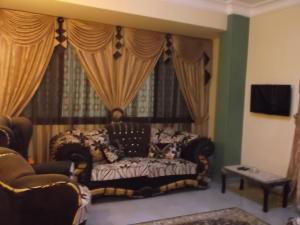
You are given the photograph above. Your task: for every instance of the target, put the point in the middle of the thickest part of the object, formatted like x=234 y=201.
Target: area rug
x=230 y=216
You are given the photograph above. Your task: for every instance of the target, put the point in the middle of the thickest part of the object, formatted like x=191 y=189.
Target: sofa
x=135 y=159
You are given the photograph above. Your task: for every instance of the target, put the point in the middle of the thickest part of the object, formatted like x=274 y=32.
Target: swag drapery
x=26 y=44
x=115 y=79
x=117 y=62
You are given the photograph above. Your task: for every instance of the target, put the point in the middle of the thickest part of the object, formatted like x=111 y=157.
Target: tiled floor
x=116 y=211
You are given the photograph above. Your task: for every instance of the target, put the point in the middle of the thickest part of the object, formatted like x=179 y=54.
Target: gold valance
x=189 y=49
x=26 y=45
x=142 y=43
x=89 y=36
x=26 y=28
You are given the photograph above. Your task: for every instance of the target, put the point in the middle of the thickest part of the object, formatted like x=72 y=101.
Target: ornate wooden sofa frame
x=136 y=175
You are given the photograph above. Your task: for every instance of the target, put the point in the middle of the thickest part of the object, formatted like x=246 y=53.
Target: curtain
x=65 y=95
x=46 y=104
x=116 y=64
x=143 y=103
x=169 y=100
x=294 y=165
x=26 y=44
x=191 y=58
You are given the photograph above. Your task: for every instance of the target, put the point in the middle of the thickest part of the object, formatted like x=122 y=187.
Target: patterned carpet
x=230 y=216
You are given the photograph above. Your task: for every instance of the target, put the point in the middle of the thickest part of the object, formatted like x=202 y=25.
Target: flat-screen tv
x=271 y=99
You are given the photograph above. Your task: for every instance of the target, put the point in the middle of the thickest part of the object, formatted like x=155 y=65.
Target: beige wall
x=273 y=58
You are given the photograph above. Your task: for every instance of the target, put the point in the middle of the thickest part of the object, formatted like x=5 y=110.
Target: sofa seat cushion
x=139 y=167
x=125 y=168
x=170 y=167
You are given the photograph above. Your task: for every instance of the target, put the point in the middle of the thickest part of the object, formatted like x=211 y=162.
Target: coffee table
x=266 y=180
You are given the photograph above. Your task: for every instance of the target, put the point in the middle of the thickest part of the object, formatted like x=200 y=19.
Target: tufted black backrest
x=133 y=137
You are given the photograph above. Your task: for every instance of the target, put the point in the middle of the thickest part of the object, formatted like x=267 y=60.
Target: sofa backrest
x=169 y=135
x=133 y=137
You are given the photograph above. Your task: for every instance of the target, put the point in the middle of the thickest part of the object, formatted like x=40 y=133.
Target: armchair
x=16 y=132
x=31 y=199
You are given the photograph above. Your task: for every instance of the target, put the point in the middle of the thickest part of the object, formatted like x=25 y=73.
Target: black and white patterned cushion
x=113 y=153
x=168 y=135
x=163 y=151
x=92 y=139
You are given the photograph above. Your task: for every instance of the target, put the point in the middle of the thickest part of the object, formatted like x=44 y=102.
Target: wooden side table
x=266 y=180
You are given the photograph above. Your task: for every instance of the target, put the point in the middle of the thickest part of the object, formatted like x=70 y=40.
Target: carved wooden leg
x=285 y=194
x=266 y=198
x=223 y=183
x=241 y=184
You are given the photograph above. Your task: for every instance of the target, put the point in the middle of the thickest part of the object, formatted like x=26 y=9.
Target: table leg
x=223 y=183
x=285 y=194
x=266 y=198
x=241 y=184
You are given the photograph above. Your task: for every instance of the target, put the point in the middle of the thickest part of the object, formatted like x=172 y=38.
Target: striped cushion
x=137 y=167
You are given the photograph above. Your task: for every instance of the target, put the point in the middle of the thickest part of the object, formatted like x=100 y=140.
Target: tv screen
x=271 y=99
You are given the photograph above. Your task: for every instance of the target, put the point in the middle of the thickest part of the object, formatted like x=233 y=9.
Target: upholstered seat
x=139 y=167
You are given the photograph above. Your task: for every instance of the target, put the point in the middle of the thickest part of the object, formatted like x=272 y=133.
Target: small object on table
x=265 y=179
x=243 y=168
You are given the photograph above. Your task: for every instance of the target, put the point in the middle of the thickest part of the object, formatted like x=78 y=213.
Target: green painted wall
x=230 y=93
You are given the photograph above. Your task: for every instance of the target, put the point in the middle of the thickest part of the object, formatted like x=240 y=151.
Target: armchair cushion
x=13 y=168
x=113 y=153
x=57 y=167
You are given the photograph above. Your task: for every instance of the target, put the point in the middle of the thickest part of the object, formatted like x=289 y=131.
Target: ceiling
x=249 y=2
x=197 y=18
x=242 y=7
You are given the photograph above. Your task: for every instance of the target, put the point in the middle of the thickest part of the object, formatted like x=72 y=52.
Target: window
x=65 y=95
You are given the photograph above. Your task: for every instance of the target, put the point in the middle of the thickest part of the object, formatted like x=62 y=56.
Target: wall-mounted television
x=271 y=99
